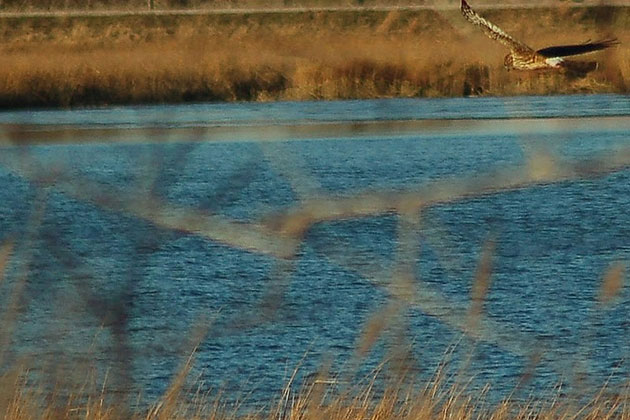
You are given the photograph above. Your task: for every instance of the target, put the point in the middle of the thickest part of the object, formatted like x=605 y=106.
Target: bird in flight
x=522 y=57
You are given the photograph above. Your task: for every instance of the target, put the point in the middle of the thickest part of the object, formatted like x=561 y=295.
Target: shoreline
x=21 y=133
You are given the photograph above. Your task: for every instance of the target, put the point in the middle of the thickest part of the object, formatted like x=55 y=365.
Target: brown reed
x=287 y=56
x=5 y=253
x=431 y=401
x=612 y=283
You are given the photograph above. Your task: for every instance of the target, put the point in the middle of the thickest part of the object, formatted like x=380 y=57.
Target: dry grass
x=399 y=400
x=297 y=56
x=143 y=5
x=56 y=5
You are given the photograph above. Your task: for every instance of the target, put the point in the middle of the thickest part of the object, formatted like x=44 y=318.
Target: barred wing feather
x=493 y=31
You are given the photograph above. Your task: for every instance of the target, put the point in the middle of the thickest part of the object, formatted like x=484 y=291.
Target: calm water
x=104 y=288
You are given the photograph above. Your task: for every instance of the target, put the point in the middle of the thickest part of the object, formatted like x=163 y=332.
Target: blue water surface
x=92 y=288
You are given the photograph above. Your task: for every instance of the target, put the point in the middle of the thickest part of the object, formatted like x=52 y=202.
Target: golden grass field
x=299 y=55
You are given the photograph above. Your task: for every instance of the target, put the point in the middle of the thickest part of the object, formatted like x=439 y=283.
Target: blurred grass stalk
x=71 y=61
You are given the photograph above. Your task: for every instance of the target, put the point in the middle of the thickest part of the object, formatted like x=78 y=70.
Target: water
x=110 y=289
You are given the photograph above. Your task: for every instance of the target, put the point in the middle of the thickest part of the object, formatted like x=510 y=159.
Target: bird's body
x=523 y=57
x=531 y=61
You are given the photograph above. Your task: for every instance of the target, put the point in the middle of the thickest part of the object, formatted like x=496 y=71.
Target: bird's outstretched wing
x=587 y=47
x=492 y=30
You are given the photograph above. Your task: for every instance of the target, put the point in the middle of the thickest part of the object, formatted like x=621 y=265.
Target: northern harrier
x=522 y=57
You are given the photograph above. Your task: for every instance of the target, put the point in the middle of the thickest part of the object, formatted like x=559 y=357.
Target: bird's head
x=508 y=63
